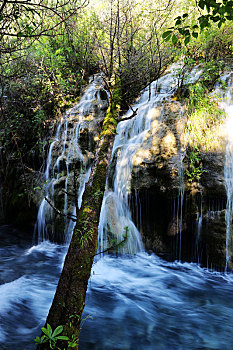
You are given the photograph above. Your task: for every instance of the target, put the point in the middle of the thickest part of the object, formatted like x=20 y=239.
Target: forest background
x=49 y=49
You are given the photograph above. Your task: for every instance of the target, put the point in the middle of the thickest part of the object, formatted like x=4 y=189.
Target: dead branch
x=59 y=212
x=130 y=117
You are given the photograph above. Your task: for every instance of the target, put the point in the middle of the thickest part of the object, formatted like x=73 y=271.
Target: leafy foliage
x=195 y=168
x=204 y=115
x=53 y=337
x=208 y=12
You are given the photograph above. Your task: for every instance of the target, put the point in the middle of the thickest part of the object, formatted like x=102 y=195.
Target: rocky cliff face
x=178 y=218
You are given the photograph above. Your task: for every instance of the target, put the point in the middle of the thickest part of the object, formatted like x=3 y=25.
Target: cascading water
x=68 y=164
x=199 y=227
x=142 y=292
x=137 y=302
x=180 y=204
x=227 y=104
x=115 y=214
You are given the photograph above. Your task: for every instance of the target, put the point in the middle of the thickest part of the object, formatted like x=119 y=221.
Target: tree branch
x=73 y=218
x=113 y=246
x=130 y=117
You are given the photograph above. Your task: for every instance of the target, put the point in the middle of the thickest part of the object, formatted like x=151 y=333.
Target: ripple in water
x=139 y=302
x=143 y=302
x=28 y=279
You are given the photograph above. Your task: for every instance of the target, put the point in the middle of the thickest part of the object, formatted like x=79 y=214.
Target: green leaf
x=222 y=10
x=57 y=331
x=186 y=32
x=168 y=38
x=49 y=329
x=45 y=331
x=187 y=40
x=178 y=22
x=37 y=340
x=37 y=188
x=214 y=4
x=195 y=34
x=203 y=20
x=41 y=340
x=165 y=34
x=62 y=337
x=174 y=39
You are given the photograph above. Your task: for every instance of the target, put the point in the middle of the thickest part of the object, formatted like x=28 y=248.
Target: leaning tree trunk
x=69 y=300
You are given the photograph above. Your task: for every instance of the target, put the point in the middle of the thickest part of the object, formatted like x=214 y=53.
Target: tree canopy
x=208 y=11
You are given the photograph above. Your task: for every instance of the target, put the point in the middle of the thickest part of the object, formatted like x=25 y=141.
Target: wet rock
x=156 y=164
x=60 y=183
x=159 y=170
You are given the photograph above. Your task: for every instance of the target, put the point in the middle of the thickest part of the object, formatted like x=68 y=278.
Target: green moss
x=110 y=121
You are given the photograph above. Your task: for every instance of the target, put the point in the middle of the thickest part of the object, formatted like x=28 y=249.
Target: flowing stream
x=134 y=301
x=143 y=302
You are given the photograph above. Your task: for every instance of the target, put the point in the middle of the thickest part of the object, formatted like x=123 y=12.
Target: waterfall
x=227 y=105
x=199 y=226
x=180 y=203
x=69 y=163
x=115 y=216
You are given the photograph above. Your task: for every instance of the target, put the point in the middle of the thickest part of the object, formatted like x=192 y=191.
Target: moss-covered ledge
x=69 y=300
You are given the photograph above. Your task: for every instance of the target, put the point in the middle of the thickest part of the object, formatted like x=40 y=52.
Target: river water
x=133 y=302
x=28 y=277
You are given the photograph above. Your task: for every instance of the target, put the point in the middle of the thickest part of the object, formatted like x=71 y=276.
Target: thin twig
x=59 y=212
x=113 y=246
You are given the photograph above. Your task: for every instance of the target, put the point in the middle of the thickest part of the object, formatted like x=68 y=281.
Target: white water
x=143 y=302
x=199 y=227
x=226 y=103
x=133 y=302
x=29 y=275
x=28 y=280
x=180 y=204
x=65 y=156
x=115 y=213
